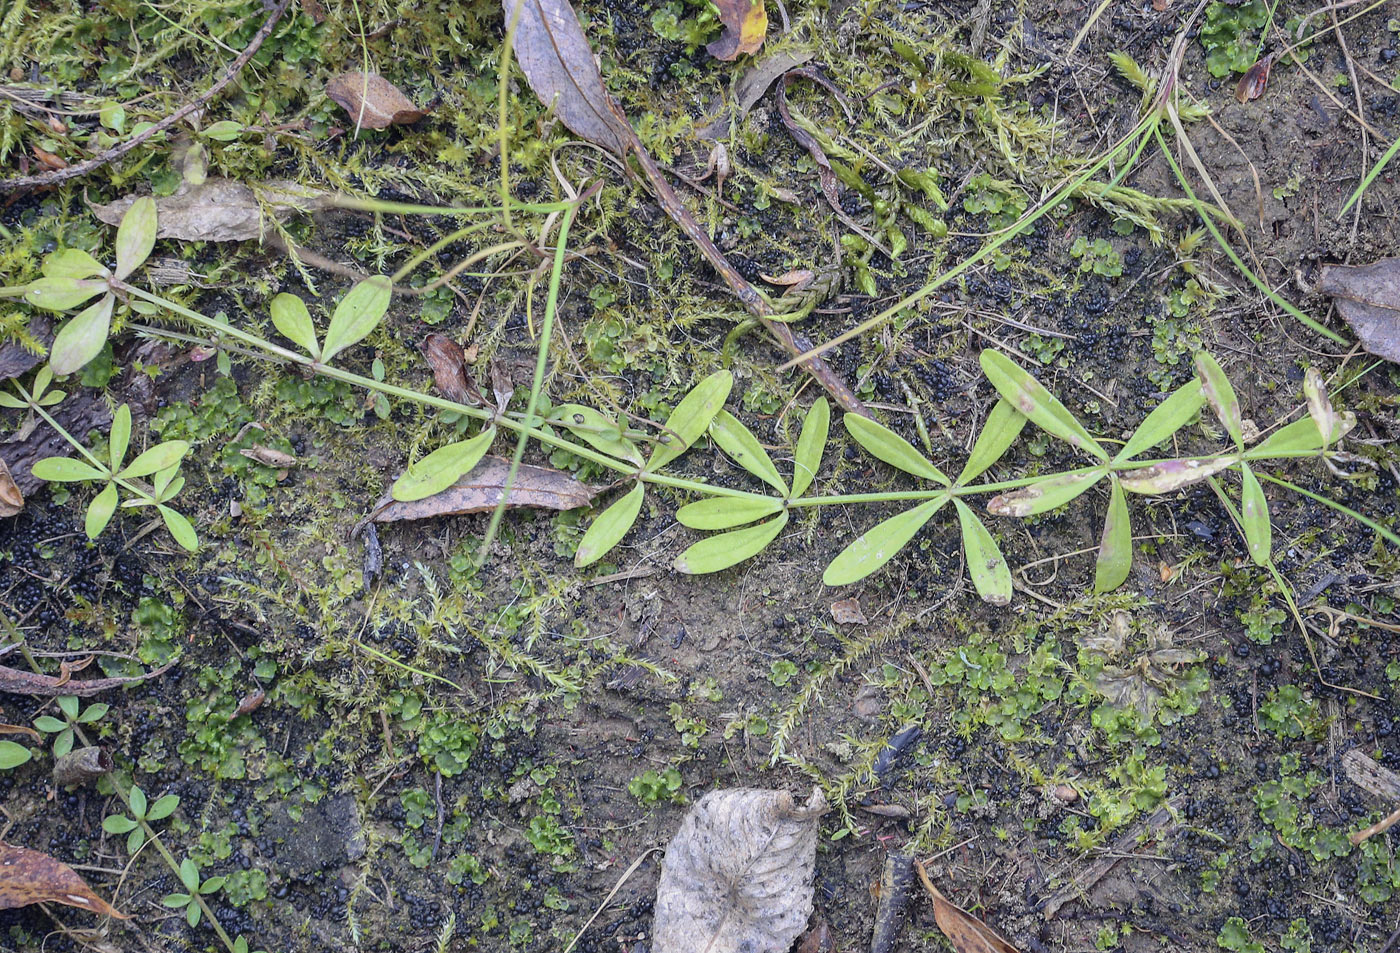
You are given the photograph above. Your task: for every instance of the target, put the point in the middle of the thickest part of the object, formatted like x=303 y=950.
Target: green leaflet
x=62 y=294
x=1031 y=398
x=66 y=470
x=985 y=563
x=82 y=338
x=691 y=416
x=119 y=436
x=13 y=755
x=180 y=528
x=597 y=429
x=357 y=314
x=1295 y=437
x=714 y=553
x=879 y=544
x=1254 y=513
x=293 y=322
x=442 y=468
x=136 y=236
x=159 y=457
x=1044 y=496
x=811 y=444
x=1003 y=426
x=884 y=444
x=1220 y=395
x=100 y=510
x=1116 y=542
x=726 y=512
x=611 y=525
x=1166 y=419
x=743 y=447
x=71 y=263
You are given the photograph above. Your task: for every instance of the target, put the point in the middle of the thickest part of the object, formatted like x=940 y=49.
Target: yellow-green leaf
x=985 y=563
x=1031 y=398
x=884 y=444
x=691 y=416
x=357 y=314
x=293 y=321
x=726 y=512
x=611 y=525
x=744 y=449
x=100 y=510
x=811 y=444
x=879 y=544
x=1003 y=426
x=157 y=458
x=597 y=429
x=1115 y=544
x=715 y=553
x=442 y=468
x=62 y=294
x=81 y=339
x=1254 y=512
x=1221 y=395
x=1166 y=419
x=136 y=236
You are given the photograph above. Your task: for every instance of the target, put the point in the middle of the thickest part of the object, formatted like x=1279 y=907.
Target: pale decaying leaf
x=11 y=499
x=371 y=101
x=220 y=210
x=965 y=933
x=1368 y=297
x=847 y=612
x=29 y=876
x=479 y=491
x=737 y=877
x=749 y=89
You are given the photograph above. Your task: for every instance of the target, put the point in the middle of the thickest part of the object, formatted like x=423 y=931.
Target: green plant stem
x=1389 y=536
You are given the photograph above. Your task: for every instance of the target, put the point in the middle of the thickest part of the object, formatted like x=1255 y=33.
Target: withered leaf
x=1255 y=80
x=745 y=25
x=818 y=938
x=749 y=89
x=19 y=682
x=738 y=874
x=29 y=876
x=1368 y=297
x=269 y=457
x=11 y=499
x=966 y=933
x=372 y=101
x=219 y=210
x=448 y=363
x=480 y=492
x=21 y=730
x=847 y=612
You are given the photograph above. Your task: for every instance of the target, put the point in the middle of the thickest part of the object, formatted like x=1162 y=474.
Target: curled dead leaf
x=11 y=499
x=372 y=101
x=480 y=492
x=1368 y=297
x=29 y=876
x=966 y=933
x=745 y=25
x=269 y=457
x=1255 y=80
x=448 y=363
x=847 y=612
x=219 y=210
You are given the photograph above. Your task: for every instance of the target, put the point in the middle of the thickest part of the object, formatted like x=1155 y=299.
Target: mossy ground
x=488 y=723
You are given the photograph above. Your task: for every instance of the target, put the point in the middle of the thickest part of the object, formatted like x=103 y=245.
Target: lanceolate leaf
x=71 y=263
x=119 y=436
x=100 y=510
x=1298 y=436
x=691 y=416
x=726 y=512
x=180 y=528
x=610 y=526
x=62 y=294
x=890 y=447
x=136 y=236
x=293 y=321
x=1116 y=543
x=1003 y=426
x=82 y=339
x=1044 y=496
x=739 y=442
x=811 y=444
x=66 y=470
x=1031 y=398
x=985 y=563
x=358 y=313
x=596 y=429
x=159 y=457
x=729 y=549
x=442 y=468
x=1254 y=512
x=1166 y=419
x=1221 y=396
x=1330 y=424
x=1173 y=474
x=879 y=544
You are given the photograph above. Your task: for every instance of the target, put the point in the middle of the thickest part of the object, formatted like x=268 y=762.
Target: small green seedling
x=63 y=728
x=142 y=815
x=189 y=877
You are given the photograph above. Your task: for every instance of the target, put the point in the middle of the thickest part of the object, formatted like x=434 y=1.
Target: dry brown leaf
x=796 y=280
x=372 y=101
x=749 y=89
x=818 y=938
x=745 y=25
x=20 y=730
x=448 y=363
x=1255 y=80
x=966 y=933
x=219 y=210
x=269 y=457
x=738 y=874
x=28 y=876
x=1368 y=296
x=480 y=492
x=11 y=499
x=28 y=683
x=847 y=612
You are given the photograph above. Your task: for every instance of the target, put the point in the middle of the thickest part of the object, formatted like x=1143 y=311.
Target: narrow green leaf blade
x=357 y=314
x=1031 y=398
x=100 y=510
x=691 y=416
x=597 y=429
x=120 y=436
x=159 y=457
x=1166 y=419
x=117 y=824
x=66 y=470
x=189 y=875
x=137 y=799
x=82 y=338
x=62 y=294
x=293 y=322
x=1116 y=543
x=1299 y=436
x=1003 y=426
x=136 y=236
x=611 y=525
x=180 y=528
x=879 y=544
x=715 y=553
x=1220 y=395
x=985 y=563
x=1044 y=496
x=811 y=445
x=884 y=444
x=726 y=512
x=1254 y=513
x=163 y=807
x=744 y=449
x=442 y=468
x=71 y=263
x=13 y=755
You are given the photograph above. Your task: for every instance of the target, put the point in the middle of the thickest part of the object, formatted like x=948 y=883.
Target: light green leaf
x=168 y=493
x=1116 y=542
x=212 y=885
x=100 y=510
x=1031 y=398
x=13 y=755
x=985 y=563
x=62 y=294
x=1173 y=474
x=1296 y=437
x=225 y=130
x=10 y=400
x=1044 y=496
x=68 y=704
x=193 y=912
x=1003 y=426
x=189 y=874
x=117 y=824
x=180 y=528
x=136 y=236
x=93 y=713
x=442 y=468
x=358 y=313
x=715 y=553
x=63 y=743
x=879 y=544
x=1166 y=419
x=52 y=397
x=49 y=724
x=293 y=322
x=66 y=470
x=611 y=525
x=113 y=116
x=744 y=449
x=726 y=512
x=163 y=807
x=43 y=377
x=175 y=900
x=135 y=839
x=884 y=444
x=120 y=435
x=72 y=263
x=1220 y=395
x=811 y=444
x=690 y=418
x=137 y=801
x=159 y=457
x=1254 y=513
x=82 y=339
x=597 y=429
